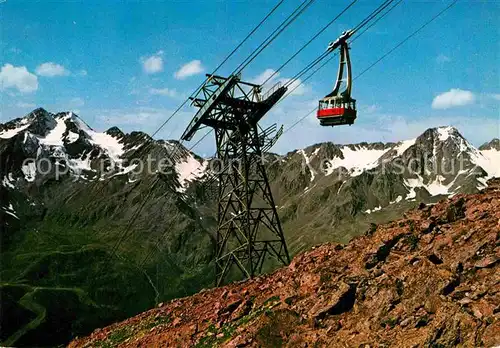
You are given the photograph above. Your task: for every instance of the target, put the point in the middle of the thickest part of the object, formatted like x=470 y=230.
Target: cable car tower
x=248 y=227
x=337 y=107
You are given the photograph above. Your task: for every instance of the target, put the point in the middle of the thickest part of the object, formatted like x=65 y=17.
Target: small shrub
x=412 y=241
x=325 y=277
x=372 y=229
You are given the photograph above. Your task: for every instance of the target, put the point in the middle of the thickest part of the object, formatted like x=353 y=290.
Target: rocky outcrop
x=430 y=279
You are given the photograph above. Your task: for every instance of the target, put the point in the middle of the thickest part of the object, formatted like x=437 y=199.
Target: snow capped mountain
x=42 y=145
x=492 y=145
x=364 y=177
x=62 y=139
x=440 y=162
x=490 y=157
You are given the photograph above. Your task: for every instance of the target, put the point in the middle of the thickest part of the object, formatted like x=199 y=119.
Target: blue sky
x=130 y=64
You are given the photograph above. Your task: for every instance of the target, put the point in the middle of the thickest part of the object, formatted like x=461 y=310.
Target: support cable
x=379 y=59
x=311 y=40
x=125 y=232
x=278 y=4
x=334 y=55
x=317 y=60
x=304 y=5
x=364 y=22
x=408 y=38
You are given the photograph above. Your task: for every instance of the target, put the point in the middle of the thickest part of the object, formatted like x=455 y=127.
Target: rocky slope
x=430 y=279
x=89 y=236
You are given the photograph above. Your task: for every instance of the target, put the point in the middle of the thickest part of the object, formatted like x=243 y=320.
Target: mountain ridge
x=152 y=228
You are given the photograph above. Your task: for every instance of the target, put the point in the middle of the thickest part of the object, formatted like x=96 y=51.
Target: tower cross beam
x=249 y=231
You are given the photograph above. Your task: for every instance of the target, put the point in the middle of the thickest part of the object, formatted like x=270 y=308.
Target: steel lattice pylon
x=249 y=230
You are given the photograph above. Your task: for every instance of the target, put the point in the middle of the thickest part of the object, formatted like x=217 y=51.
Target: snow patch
x=134 y=148
x=445 y=132
x=9 y=133
x=6 y=182
x=12 y=214
x=397 y=200
x=111 y=145
x=189 y=169
x=482 y=183
x=341 y=185
x=10 y=210
x=29 y=171
x=78 y=165
x=56 y=135
x=21 y=125
x=489 y=160
x=435 y=188
x=369 y=211
x=72 y=137
x=308 y=163
x=356 y=161
x=403 y=146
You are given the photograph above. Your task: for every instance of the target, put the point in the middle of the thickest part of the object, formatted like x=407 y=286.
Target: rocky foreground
x=429 y=280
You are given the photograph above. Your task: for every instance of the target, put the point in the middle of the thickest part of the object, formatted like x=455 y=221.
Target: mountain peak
x=492 y=145
x=115 y=132
x=446 y=132
x=37 y=112
x=41 y=122
x=443 y=134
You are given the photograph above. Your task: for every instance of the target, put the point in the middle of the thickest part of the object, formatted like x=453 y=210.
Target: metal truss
x=249 y=231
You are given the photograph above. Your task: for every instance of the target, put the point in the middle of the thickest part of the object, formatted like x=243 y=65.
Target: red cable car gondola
x=338 y=108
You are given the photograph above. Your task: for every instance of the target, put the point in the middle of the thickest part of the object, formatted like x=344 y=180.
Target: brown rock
x=488 y=261
x=336 y=296
x=335 y=302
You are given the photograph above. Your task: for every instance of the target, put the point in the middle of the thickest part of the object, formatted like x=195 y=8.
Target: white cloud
x=25 y=105
x=259 y=79
x=51 y=69
x=453 y=98
x=82 y=72
x=194 y=67
x=18 y=77
x=153 y=64
x=296 y=88
x=443 y=59
x=164 y=91
x=495 y=96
